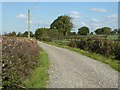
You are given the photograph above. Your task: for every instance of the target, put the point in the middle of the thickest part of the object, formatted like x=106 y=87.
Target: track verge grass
x=39 y=76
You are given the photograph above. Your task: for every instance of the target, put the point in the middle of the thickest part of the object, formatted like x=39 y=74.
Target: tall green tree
x=19 y=34
x=63 y=24
x=13 y=33
x=104 y=30
x=83 y=30
x=25 y=34
x=41 y=32
x=98 y=31
x=53 y=33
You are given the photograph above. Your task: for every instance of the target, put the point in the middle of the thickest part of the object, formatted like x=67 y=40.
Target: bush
x=47 y=39
x=73 y=44
x=105 y=47
x=19 y=57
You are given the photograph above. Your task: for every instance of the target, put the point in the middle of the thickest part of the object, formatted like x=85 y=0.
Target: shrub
x=19 y=57
x=73 y=44
x=101 y=46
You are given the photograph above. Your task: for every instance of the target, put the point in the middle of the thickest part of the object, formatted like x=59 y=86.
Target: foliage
x=25 y=34
x=53 y=33
x=10 y=34
x=19 y=58
x=119 y=31
x=98 y=31
x=113 y=37
x=63 y=24
x=104 y=30
x=108 y=60
x=83 y=30
x=115 y=31
x=72 y=33
x=39 y=76
x=19 y=34
x=105 y=47
x=41 y=32
x=91 y=33
x=119 y=37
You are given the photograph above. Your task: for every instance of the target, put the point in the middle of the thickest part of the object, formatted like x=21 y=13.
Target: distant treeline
x=62 y=26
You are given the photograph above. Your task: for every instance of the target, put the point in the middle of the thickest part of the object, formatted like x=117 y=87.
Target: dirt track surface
x=69 y=69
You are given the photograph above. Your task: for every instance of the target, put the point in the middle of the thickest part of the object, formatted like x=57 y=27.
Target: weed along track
x=69 y=69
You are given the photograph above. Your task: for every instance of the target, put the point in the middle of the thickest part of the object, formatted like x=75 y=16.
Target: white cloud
x=98 y=10
x=114 y=16
x=75 y=14
x=22 y=16
x=43 y=23
x=94 y=20
x=83 y=24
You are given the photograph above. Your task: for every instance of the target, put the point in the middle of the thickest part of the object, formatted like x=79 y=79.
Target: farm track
x=69 y=69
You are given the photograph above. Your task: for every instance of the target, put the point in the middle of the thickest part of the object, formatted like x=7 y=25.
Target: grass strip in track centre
x=39 y=76
x=107 y=60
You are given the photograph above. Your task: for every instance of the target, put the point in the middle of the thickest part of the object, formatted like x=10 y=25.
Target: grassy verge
x=39 y=76
x=107 y=60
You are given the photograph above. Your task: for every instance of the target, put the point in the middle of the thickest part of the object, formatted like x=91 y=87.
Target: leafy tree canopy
x=63 y=24
x=83 y=30
x=25 y=34
x=104 y=30
x=41 y=32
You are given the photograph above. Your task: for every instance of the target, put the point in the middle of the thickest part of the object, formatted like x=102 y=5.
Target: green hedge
x=101 y=46
x=19 y=57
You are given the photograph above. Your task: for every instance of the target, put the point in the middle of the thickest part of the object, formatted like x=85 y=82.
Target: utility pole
x=38 y=26
x=28 y=23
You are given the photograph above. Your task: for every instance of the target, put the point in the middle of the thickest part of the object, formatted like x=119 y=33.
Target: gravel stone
x=69 y=69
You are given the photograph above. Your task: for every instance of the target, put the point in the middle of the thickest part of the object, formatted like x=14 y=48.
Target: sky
x=91 y=14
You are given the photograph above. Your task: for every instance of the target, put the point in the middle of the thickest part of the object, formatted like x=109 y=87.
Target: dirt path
x=69 y=69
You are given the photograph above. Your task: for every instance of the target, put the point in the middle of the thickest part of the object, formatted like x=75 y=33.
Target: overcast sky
x=90 y=14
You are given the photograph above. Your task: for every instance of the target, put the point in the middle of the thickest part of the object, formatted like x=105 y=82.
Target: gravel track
x=69 y=69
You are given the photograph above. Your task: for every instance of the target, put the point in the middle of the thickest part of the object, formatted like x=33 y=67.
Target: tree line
x=62 y=26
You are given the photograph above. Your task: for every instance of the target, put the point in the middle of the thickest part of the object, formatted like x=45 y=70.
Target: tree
x=25 y=34
x=63 y=24
x=53 y=33
x=83 y=30
x=72 y=33
x=106 y=30
x=98 y=31
x=41 y=32
x=19 y=34
x=115 y=31
x=10 y=34
x=13 y=33
x=91 y=33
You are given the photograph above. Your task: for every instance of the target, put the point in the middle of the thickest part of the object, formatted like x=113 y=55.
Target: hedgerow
x=19 y=58
x=101 y=46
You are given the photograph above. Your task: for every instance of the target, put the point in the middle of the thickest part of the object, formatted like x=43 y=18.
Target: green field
x=113 y=37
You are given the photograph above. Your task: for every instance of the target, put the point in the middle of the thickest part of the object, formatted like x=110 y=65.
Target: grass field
x=113 y=37
x=40 y=75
